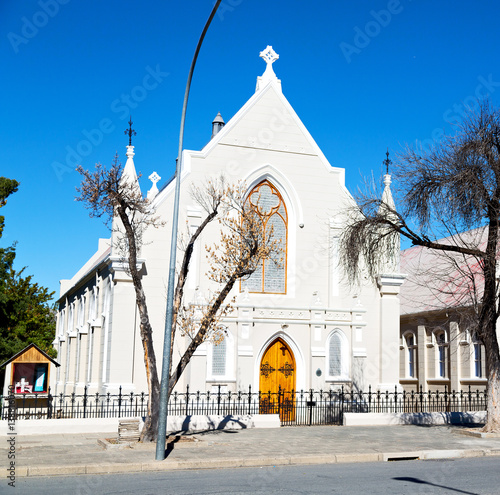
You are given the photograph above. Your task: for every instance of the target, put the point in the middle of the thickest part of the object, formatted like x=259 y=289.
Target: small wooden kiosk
x=27 y=375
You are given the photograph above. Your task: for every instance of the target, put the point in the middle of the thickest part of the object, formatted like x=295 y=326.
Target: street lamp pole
x=165 y=373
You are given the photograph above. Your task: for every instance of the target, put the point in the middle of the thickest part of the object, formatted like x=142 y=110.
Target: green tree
x=26 y=315
x=7 y=255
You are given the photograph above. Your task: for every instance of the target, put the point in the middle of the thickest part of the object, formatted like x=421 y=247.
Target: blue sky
x=362 y=76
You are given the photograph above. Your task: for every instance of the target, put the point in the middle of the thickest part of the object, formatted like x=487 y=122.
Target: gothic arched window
x=219 y=359
x=337 y=358
x=270 y=276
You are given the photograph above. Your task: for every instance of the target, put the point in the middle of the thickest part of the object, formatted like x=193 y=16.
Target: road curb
x=173 y=465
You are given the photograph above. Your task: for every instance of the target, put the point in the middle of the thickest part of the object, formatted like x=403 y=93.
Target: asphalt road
x=473 y=476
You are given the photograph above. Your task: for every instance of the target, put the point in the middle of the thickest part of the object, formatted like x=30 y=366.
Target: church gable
x=269 y=123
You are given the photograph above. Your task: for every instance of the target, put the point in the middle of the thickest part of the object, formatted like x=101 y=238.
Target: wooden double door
x=277 y=381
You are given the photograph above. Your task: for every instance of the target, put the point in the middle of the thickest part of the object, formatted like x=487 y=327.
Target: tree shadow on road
x=422 y=482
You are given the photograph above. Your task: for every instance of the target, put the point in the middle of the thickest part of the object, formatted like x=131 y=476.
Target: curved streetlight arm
x=165 y=373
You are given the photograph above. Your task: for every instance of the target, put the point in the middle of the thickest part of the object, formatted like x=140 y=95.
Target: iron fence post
x=49 y=405
x=120 y=402
x=341 y=404
x=310 y=406
x=85 y=401
x=96 y=404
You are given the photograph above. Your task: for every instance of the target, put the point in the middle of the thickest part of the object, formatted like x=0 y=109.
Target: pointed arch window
x=219 y=359
x=61 y=323
x=71 y=319
x=270 y=276
x=81 y=312
x=337 y=356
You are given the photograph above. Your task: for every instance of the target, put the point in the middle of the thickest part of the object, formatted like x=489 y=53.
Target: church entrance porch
x=277 y=381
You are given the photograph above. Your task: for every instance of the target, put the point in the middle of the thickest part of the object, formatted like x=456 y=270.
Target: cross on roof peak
x=269 y=55
x=387 y=162
x=130 y=132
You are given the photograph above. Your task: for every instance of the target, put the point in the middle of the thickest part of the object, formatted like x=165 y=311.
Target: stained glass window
x=270 y=276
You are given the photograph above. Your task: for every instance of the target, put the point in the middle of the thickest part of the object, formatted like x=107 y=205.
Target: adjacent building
x=439 y=346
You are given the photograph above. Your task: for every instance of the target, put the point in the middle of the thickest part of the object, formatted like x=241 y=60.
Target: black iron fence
x=294 y=407
x=49 y=406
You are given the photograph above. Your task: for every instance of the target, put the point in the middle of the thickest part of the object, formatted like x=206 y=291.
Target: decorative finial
x=387 y=162
x=130 y=131
x=154 y=178
x=269 y=55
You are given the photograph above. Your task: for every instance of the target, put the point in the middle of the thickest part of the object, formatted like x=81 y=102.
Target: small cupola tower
x=129 y=175
x=387 y=198
x=217 y=124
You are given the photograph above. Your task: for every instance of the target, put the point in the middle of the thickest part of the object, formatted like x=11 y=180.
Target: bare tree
x=444 y=193
x=109 y=194
x=244 y=244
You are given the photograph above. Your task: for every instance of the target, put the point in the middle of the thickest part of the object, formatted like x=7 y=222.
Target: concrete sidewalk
x=42 y=455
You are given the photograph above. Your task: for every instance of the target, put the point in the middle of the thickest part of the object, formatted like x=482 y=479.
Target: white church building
x=298 y=325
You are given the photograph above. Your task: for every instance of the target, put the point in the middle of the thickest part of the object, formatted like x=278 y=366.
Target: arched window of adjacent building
x=270 y=276
x=410 y=344
x=477 y=354
x=337 y=359
x=441 y=353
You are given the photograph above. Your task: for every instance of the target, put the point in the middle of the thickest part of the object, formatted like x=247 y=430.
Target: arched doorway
x=277 y=381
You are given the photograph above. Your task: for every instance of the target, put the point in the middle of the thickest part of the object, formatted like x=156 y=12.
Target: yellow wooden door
x=277 y=374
